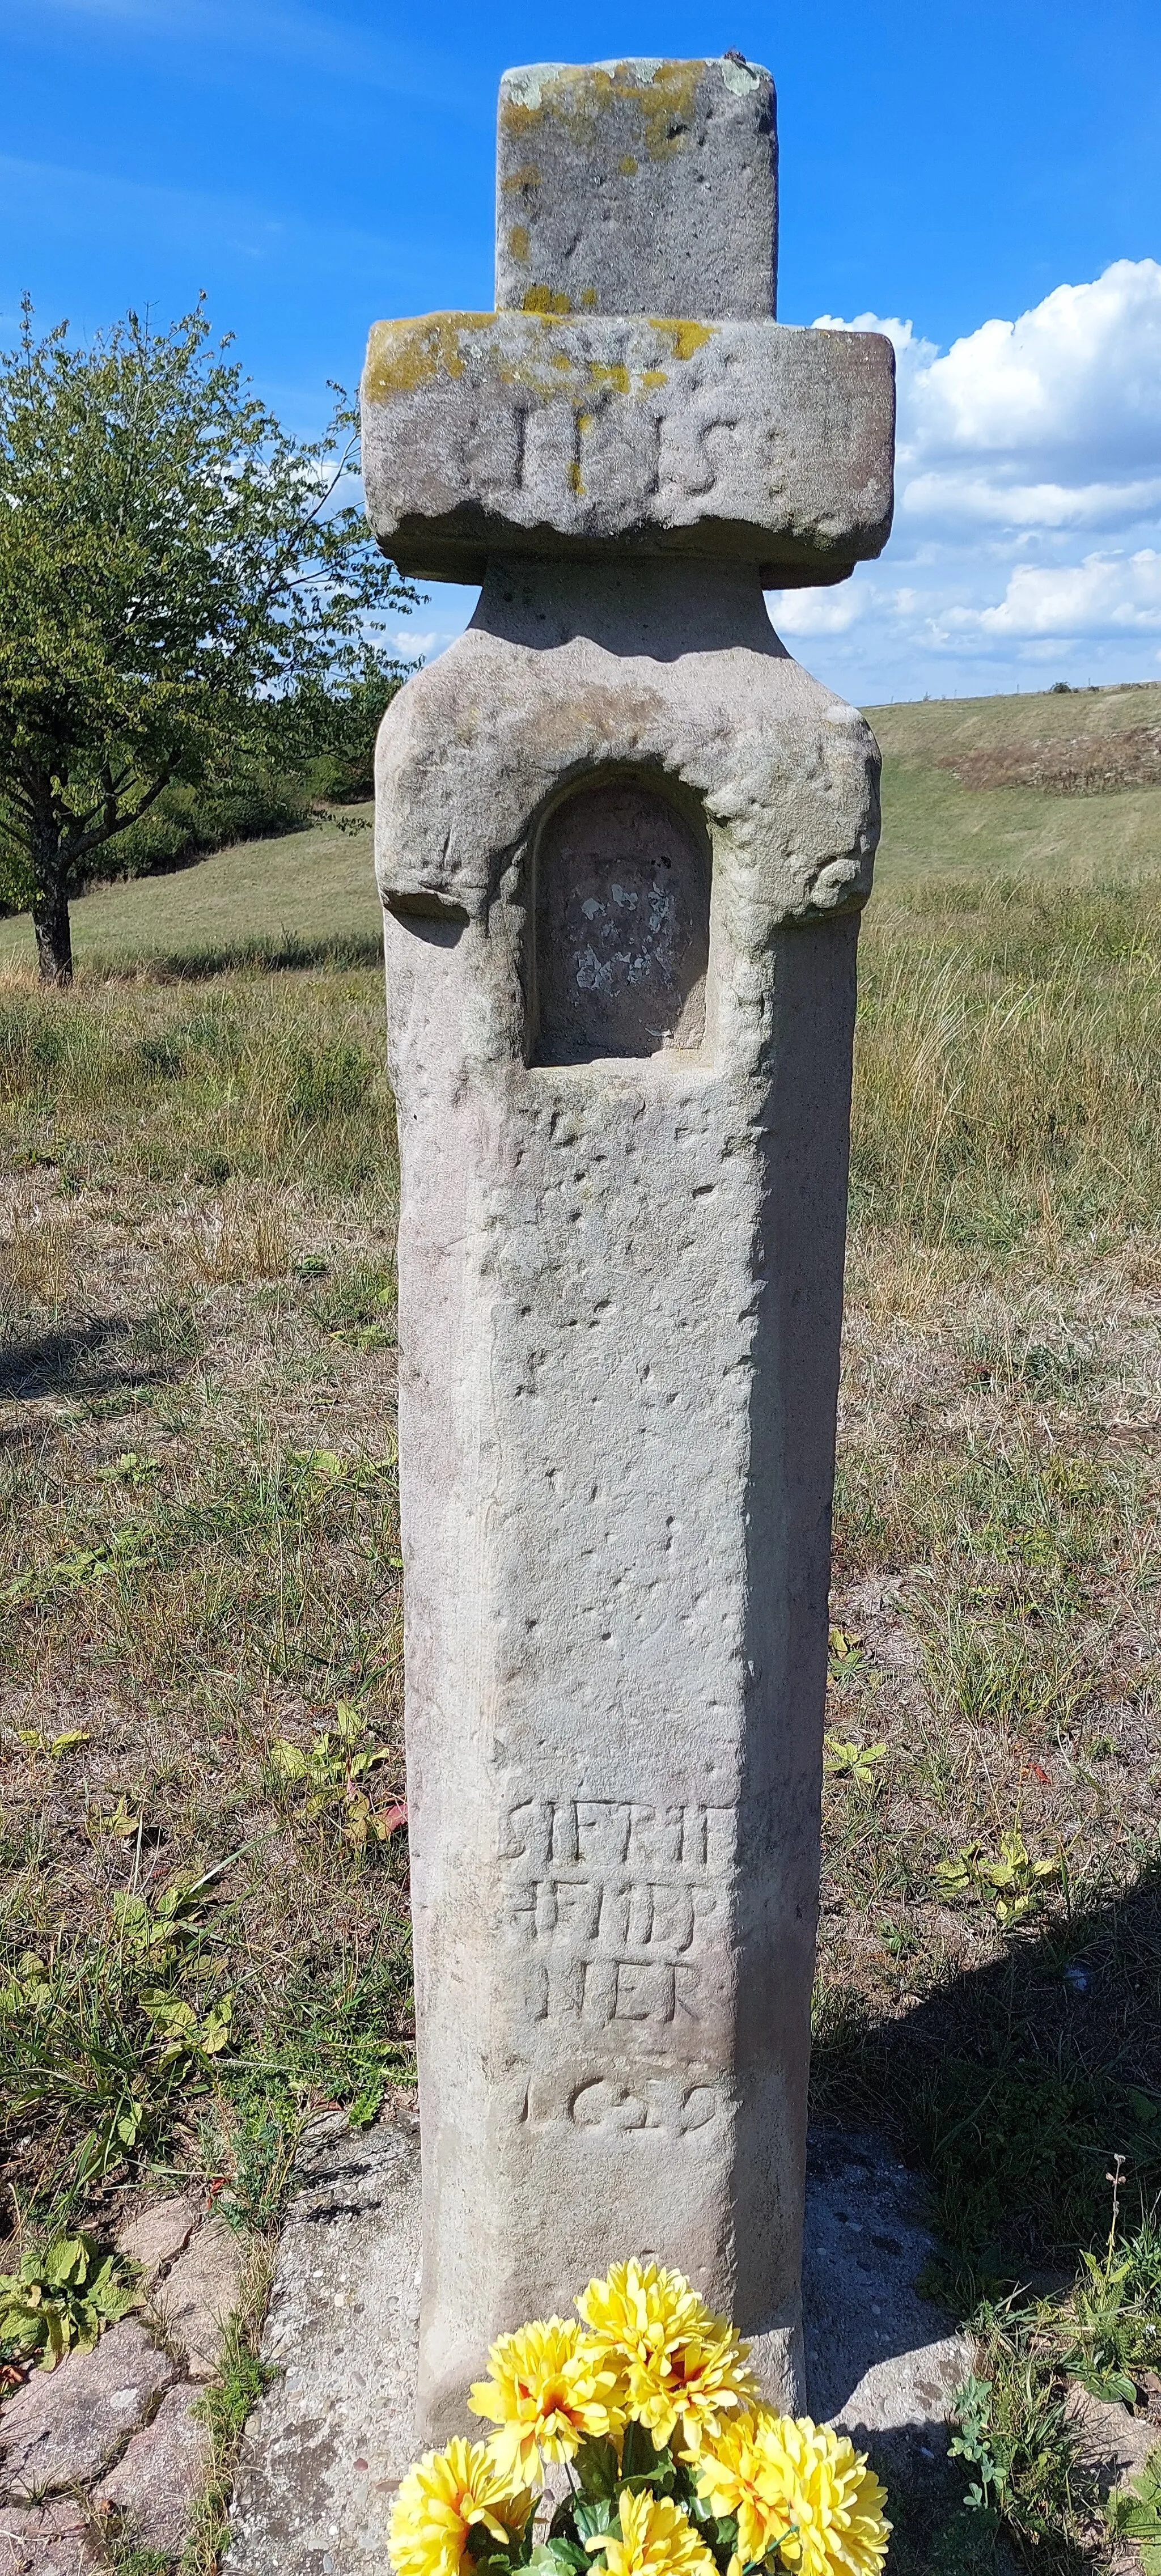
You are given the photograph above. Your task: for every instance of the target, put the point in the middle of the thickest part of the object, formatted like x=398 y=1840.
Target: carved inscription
x=615 y=1908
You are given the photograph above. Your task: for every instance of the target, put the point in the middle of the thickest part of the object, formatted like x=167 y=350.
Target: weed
x=329 y=1082
x=852 y=1761
x=846 y=1659
x=228 y=2400
x=355 y=1307
x=1135 y=2514
x=1012 y=1879
x=63 y=2295
x=337 y=1772
x=1014 y=2433
x=101 y=2037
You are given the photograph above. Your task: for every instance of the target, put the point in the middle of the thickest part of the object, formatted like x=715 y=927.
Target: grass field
x=206 y=1931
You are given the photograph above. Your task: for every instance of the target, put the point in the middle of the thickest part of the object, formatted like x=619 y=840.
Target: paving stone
x=156 y=2235
x=1113 y=2444
x=65 y=2425
x=330 y=2439
x=164 y=2468
x=46 y=2540
x=200 y=2293
x=881 y=2362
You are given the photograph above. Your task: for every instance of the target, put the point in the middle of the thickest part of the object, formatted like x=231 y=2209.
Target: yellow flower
x=796 y=2483
x=438 y=2502
x=549 y=2391
x=679 y=2365
x=657 y=2539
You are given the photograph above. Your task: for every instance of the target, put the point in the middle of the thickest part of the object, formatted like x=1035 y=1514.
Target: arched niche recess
x=622 y=909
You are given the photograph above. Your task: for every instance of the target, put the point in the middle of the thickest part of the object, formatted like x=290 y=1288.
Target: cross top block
x=632 y=392
x=638 y=187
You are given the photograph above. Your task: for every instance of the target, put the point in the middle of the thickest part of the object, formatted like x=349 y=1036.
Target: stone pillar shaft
x=622 y=843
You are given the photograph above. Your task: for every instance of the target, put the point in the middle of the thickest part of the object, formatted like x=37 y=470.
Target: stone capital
x=587 y=437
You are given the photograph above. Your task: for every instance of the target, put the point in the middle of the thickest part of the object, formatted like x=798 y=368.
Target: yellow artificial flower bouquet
x=675 y=2466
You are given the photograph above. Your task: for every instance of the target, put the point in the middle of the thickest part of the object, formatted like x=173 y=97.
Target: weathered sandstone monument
x=623 y=840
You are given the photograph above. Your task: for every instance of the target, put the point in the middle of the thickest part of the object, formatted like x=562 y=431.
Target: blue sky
x=950 y=168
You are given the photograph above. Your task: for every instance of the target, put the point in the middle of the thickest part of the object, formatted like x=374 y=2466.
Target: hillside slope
x=948 y=806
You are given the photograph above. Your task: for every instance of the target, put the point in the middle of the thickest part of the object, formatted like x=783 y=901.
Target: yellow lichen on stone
x=528 y=176
x=589 y=297
x=578 y=93
x=402 y=355
x=627 y=166
x=650 y=377
x=546 y=299
x=685 y=336
x=617 y=376
x=518 y=240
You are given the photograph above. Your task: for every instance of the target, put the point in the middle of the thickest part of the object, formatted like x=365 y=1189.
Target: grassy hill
x=310 y=896
x=942 y=812
x=304 y=898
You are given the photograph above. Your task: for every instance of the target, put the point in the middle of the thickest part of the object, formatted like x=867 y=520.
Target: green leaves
x=172 y=564
x=64 y=2294
x=1135 y=2514
x=1017 y=1881
x=338 y=1771
x=852 y=1761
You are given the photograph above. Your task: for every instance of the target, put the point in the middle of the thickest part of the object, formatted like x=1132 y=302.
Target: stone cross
x=622 y=844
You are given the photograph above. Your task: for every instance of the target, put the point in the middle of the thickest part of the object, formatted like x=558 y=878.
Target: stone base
x=328 y=2443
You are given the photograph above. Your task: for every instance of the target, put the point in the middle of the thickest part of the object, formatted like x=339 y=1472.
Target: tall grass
x=273 y=1078
x=1006 y=1066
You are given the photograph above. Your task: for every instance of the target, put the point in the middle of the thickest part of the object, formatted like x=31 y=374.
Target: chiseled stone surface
x=200 y=2293
x=620 y=1289
x=747 y=441
x=637 y=187
x=156 y=2235
x=153 y=2486
x=331 y=2437
x=64 y=2426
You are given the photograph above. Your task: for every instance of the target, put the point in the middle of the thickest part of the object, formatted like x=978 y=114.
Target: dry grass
x=199 y=1551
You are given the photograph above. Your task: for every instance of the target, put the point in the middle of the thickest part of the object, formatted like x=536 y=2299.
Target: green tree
x=172 y=566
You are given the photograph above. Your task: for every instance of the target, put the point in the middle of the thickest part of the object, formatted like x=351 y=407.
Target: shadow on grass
x=1012 y=2087
x=105 y=1357
x=289 y=955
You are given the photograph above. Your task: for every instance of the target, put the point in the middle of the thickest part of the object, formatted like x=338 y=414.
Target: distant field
x=310 y=896
x=306 y=897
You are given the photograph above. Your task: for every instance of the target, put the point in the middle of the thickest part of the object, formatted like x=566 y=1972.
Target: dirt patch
x=1082 y=765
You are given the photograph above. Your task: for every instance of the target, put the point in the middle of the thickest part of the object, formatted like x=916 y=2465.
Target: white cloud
x=1028 y=502
x=1104 y=595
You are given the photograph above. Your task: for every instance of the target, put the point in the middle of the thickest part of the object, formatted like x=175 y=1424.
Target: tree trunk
x=50 y=920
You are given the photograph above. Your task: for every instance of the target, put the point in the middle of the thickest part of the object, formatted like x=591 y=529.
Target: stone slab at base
x=328 y=2443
